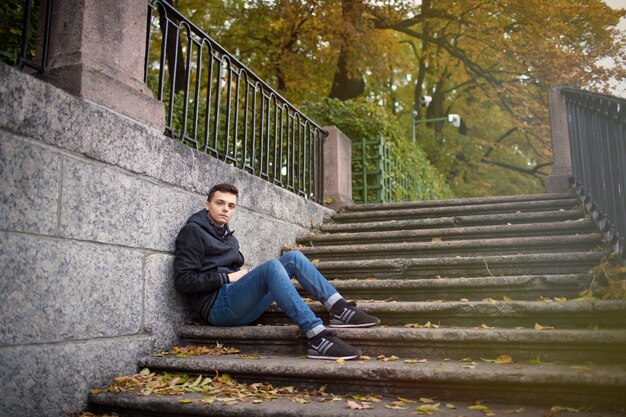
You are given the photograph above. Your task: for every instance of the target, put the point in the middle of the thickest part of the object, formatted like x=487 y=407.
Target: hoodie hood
x=203 y=220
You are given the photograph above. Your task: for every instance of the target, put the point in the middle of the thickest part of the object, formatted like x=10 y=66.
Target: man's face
x=221 y=207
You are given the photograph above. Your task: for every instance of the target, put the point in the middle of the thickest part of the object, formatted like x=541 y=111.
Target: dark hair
x=224 y=188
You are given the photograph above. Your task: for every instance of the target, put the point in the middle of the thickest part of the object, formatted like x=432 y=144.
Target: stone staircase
x=477 y=300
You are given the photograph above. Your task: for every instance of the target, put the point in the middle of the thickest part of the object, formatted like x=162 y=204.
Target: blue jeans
x=243 y=301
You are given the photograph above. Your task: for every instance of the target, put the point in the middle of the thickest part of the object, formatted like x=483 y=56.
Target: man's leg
x=341 y=313
x=244 y=301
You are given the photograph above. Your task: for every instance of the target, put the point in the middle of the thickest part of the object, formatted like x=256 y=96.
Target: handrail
x=23 y=60
x=597 y=135
x=219 y=106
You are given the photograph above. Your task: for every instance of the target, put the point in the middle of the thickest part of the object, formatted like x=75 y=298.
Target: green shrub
x=409 y=174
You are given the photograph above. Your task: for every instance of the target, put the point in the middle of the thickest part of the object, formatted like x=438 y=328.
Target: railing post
x=97 y=51
x=337 y=169
x=558 y=181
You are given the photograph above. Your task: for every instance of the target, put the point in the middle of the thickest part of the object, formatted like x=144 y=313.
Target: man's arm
x=187 y=264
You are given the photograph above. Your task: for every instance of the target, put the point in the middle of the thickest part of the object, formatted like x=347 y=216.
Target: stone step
x=191 y=404
x=493 y=313
x=490 y=382
x=456 y=221
x=472 y=266
x=426 y=212
x=460 y=202
x=445 y=234
x=454 y=248
x=566 y=345
x=521 y=287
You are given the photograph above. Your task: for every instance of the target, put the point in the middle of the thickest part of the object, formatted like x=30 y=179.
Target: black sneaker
x=332 y=347
x=352 y=317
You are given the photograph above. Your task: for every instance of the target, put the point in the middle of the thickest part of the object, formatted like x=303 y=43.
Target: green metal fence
x=378 y=176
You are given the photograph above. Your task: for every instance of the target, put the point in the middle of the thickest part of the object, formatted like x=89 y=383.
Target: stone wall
x=90 y=204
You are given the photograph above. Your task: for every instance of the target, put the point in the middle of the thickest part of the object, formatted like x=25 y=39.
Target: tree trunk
x=348 y=83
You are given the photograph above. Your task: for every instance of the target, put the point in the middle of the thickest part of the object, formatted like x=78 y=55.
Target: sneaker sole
x=342 y=325
x=333 y=358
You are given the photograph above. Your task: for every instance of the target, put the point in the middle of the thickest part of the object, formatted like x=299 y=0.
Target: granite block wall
x=90 y=204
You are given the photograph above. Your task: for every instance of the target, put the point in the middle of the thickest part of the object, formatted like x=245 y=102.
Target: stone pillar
x=558 y=181
x=97 y=51
x=337 y=169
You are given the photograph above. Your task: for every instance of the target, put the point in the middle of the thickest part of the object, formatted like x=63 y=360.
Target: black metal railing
x=597 y=131
x=219 y=106
x=40 y=11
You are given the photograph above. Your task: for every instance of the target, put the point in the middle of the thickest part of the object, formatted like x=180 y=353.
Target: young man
x=207 y=268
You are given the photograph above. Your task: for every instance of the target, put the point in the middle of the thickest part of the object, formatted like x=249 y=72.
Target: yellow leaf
x=227 y=379
x=315 y=261
x=185 y=401
x=451 y=406
x=426 y=400
x=437 y=240
x=540 y=327
x=507 y=298
x=428 y=409
x=504 y=359
x=413 y=361
x=340 y=361
x=405 y=400
x=396 y=407
x=557 y=409
x=478 y=407
x=353 y=405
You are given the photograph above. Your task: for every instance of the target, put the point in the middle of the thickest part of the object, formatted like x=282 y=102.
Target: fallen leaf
x=437 y=240
x=405 y=400
x=395 y=406
x=557 y=409
x=353 y=405
x=540 y=327
x=427 y=409
x=426 y=400
x=185 y=401
x=504 y=359
x=507 y=298
x=479 y=407
x=516 y=411
x=413 y=361
x=340 y=361
x=451 y=406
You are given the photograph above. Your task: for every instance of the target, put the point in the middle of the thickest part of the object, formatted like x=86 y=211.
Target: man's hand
x=235 y=276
